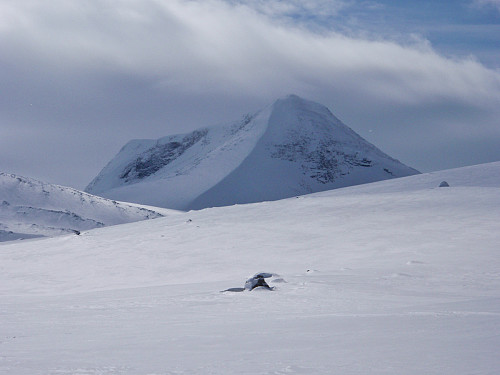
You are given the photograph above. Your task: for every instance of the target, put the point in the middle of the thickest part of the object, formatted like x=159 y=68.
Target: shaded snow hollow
x=290 y=148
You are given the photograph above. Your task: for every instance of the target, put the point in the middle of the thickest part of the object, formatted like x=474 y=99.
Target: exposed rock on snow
x=257 y=281
x=444 y=184
x=30 y=208
x=290 y=148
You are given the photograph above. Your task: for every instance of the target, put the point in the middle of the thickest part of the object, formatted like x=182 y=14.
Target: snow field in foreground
x=379 y=281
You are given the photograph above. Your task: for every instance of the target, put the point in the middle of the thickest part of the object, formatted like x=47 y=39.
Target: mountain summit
x=290 y=148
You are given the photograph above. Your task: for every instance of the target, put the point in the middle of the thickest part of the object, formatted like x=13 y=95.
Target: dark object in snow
x=256 y=281
x=77 y=232
x=444 y=184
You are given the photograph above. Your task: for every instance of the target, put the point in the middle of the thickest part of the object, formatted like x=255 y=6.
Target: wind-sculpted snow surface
x=31 y=208
x=395 y=277
x=291 y=148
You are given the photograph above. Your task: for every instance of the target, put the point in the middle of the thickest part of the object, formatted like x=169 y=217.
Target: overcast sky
x=80 y=78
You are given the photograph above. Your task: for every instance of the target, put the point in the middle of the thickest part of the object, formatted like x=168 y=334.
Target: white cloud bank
x=200 y=45
x=242 y=55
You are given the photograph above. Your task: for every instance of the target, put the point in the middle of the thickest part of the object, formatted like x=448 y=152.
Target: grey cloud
x=89 y=76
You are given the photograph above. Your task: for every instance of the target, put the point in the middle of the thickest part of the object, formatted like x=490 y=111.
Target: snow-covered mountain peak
x=303 y=130
x=292 y=147
x=296 y=103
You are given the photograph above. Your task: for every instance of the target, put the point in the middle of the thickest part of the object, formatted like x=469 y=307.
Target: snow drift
x=292 y=147
x=389 y=278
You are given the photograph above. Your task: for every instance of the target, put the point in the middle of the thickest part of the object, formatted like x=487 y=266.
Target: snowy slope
x=291 y=148
x=30 y=208
x=395 y=277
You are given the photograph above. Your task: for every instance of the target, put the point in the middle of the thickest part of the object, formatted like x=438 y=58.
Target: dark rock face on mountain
x=160 y=156
x=290 y=148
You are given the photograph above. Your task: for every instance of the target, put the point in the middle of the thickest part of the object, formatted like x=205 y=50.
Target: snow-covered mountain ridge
x=290 y=148
x=31 y=208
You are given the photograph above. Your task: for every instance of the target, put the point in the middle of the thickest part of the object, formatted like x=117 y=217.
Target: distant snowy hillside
x=398 y=277
x=292 y=147
x=30 y=208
